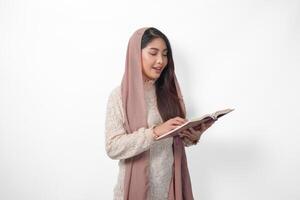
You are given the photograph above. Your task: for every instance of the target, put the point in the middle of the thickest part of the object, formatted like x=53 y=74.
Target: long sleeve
x=119 y=144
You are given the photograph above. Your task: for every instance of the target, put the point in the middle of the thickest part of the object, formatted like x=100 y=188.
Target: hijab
x=136 y=181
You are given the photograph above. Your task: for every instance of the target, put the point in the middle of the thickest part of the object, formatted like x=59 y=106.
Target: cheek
x=147 y=62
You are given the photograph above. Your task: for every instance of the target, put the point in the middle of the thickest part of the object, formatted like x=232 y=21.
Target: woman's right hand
x=168 y=125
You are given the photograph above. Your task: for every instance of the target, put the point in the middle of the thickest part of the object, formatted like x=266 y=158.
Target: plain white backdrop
x=59 y=60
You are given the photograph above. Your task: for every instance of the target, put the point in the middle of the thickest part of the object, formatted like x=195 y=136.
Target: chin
x=155 y=77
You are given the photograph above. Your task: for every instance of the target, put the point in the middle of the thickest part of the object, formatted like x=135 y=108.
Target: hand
x=169 y=125
x=194 y=134
x=202 y=127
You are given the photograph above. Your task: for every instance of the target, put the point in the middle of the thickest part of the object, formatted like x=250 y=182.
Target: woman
x=147 y=104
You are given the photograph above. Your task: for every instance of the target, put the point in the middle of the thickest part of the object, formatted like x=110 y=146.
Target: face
x=154 y=59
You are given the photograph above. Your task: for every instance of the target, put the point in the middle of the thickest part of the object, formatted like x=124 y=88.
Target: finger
x=176 y=122
x=209 y=123
x=191 y=137
x=173 y=126
x=186 y=133
x=203 y=126
x=185 y=136
x=181 y=120
x=192 y=130
x=183 y=132
x=198 y=126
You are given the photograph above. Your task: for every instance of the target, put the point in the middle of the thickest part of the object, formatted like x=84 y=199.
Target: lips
x=157 y=68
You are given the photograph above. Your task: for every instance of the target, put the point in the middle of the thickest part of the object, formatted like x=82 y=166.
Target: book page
x=195 y=122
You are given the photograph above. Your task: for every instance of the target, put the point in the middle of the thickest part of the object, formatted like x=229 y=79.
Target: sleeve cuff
x=150 y=134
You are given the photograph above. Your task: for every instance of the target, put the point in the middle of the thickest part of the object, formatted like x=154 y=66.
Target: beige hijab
x=136 y=183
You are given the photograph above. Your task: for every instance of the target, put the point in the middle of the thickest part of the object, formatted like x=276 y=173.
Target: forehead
x=157 y=43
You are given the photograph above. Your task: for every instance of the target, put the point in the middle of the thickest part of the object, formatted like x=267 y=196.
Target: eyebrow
x=158 y=49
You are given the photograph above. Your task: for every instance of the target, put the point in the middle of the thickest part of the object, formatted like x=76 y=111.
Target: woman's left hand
x=194 y=134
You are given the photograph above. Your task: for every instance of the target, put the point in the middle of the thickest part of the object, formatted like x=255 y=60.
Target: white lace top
x=120 y=145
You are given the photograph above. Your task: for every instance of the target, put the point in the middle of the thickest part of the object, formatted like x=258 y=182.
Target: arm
x=119 y=144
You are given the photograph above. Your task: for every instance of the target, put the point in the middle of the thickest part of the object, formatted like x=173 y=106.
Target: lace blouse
x=119 y=145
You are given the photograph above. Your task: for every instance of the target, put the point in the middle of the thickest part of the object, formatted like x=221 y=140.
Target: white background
x=59 y=60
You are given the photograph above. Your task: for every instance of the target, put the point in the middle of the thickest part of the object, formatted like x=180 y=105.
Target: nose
x=159 y=59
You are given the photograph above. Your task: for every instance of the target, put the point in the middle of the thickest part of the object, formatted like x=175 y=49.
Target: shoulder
x=115 y=93
x=114 y=107
x=114 y=100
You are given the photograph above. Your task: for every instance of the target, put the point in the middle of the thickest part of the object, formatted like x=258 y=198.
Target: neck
x=148 y=80
x=148 y=83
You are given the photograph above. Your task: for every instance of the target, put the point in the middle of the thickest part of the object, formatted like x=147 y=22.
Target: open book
x=195 y=122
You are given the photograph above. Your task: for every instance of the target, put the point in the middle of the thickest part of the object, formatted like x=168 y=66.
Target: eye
x=154 y=54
